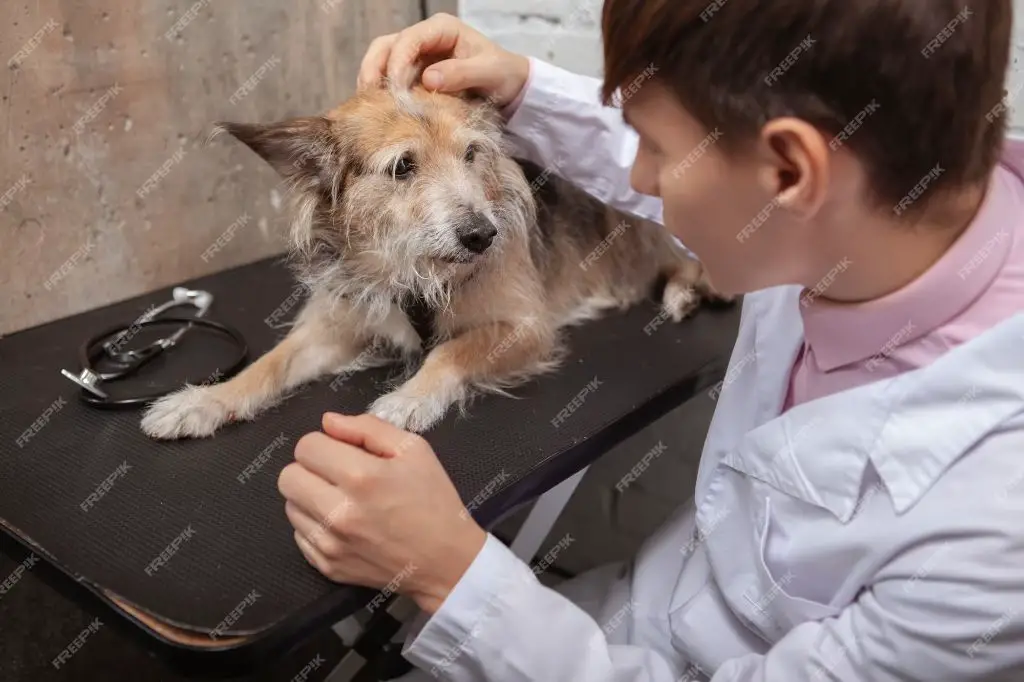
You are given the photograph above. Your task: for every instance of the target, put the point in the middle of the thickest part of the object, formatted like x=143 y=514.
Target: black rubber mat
x=88 y=492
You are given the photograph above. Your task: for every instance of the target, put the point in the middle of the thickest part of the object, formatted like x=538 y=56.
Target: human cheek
x=682 y=211
x=643 y=177
x=677 y=220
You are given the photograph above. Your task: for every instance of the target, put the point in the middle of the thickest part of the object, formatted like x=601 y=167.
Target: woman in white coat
x=859 y=508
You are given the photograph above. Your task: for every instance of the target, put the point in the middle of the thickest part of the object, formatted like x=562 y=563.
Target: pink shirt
x=976 y=284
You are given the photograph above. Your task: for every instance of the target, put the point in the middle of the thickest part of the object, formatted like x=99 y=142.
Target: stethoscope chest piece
x=88 y=380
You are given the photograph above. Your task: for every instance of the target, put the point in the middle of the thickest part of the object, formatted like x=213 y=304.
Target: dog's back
x=592 y=257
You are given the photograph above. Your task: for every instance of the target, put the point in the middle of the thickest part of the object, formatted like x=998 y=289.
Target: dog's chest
x=421 y=316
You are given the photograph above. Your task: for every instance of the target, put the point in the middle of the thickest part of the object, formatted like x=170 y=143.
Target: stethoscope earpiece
x=202 y=300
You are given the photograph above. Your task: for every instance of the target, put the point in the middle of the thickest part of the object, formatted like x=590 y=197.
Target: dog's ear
x=301 y=149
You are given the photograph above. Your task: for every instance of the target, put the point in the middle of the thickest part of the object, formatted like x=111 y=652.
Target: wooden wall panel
x=435 y=6
x=106 y=188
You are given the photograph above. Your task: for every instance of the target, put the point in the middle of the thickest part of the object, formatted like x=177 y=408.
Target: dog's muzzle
x=477 y=233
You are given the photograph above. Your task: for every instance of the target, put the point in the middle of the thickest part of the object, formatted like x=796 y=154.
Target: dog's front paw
x=192 y=412
x=679 y=300
x=415 y=414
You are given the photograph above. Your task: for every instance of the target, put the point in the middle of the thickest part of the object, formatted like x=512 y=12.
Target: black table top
x=87 y=492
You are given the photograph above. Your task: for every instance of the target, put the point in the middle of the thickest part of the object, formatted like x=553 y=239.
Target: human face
x=723 y=208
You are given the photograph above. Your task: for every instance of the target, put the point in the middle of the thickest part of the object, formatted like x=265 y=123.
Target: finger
x=353 y=570
x=316 y=534
x=314 y=557
x=312 y=494
x=439 y=34
x=370 y=433
x=337 y=462
x=375 y=61
x=302 y=522
x=455 y=75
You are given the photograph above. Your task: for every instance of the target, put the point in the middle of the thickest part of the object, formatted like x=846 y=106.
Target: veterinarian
x=859 y=509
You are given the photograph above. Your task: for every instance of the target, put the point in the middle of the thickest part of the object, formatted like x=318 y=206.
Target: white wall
x=566 y=33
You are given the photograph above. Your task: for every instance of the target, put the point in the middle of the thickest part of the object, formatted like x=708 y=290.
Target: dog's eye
x=404 y=167
x=471 y=153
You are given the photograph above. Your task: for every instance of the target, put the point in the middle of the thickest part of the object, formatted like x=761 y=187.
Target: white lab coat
x=872 y=535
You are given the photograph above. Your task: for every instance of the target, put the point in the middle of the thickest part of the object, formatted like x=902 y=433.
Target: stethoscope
x=109 y=345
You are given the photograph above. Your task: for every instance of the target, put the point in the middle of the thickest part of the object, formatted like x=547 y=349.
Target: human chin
x=682 y=223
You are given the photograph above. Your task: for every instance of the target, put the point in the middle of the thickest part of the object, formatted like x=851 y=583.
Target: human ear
x=795 y=165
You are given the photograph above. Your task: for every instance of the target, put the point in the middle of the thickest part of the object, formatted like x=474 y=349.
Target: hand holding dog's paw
x=407 y=412
x=192 y=412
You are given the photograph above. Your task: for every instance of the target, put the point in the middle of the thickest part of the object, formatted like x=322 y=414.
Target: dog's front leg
x=317 y=345
x=489 y=356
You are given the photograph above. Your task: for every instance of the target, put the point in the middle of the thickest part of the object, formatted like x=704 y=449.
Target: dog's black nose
x=477 y=233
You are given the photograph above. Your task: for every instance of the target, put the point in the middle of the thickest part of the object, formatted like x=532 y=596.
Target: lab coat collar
x=941 y=411
x=911 y=428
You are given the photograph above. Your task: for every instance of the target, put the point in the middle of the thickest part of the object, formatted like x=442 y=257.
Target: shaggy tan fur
x=384 y=188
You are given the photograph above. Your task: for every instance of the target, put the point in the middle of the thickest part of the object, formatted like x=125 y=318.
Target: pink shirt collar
x=841 y=334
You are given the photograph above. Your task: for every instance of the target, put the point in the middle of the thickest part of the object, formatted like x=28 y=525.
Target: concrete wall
x=567 y=33
x=97 y=98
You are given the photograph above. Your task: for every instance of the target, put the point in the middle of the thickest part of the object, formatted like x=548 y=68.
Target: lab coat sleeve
x=561 y=125
x=952 y=611
x=500 y=624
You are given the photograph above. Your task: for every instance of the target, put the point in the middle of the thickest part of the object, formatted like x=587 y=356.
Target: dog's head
x=402 y=183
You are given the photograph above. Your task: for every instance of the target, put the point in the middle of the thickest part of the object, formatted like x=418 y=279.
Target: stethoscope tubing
x=93 y=348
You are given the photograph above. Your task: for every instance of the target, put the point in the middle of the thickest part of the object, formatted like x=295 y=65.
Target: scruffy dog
x=410 y=196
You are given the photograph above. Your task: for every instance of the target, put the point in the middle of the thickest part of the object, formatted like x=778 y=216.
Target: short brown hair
x=915 y=88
